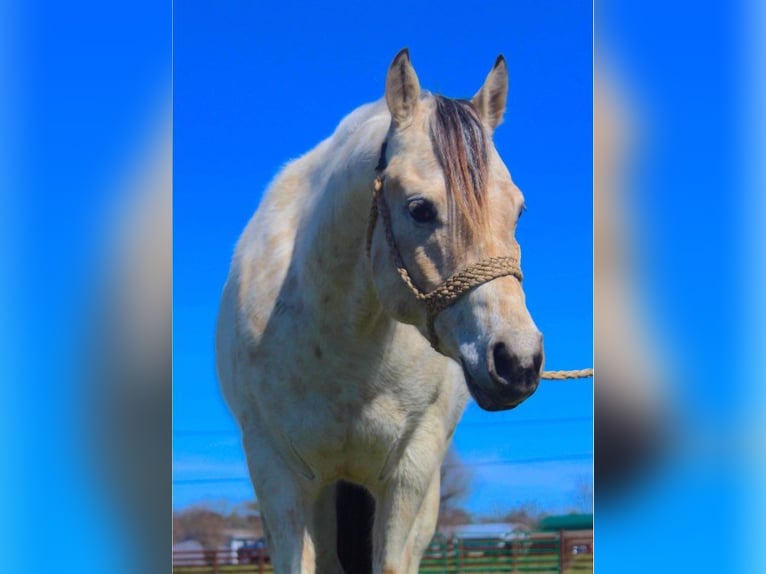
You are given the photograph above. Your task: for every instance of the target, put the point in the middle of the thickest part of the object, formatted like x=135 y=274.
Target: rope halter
x=458 y=284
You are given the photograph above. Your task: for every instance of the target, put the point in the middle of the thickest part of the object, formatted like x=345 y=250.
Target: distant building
x=193 y=553
x=499 y=530
x=566 y=522
x=574 y=532
x=238 y=538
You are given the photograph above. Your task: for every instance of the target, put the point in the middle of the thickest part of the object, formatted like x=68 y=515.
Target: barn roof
x=566 y=522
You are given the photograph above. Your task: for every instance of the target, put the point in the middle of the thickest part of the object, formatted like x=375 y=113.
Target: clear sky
x=259 y=83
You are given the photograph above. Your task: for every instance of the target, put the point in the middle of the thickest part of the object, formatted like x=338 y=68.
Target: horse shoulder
x=258 y=271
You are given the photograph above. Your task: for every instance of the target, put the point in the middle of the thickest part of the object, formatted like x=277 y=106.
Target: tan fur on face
x=474 y=221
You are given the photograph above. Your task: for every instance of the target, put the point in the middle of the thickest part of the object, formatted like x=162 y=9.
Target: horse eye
x=421 y=210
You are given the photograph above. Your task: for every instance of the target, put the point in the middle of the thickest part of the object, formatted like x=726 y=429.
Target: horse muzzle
x=506 y=378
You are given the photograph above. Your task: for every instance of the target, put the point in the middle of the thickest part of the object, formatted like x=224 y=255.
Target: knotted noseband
x=457 y=285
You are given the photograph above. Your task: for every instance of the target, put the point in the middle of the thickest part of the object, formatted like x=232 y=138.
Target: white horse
x=376 y=285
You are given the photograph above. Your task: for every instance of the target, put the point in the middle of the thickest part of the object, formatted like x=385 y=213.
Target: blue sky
x=256 y=85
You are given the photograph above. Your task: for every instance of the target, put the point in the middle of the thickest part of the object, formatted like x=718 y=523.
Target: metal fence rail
x=491 y=555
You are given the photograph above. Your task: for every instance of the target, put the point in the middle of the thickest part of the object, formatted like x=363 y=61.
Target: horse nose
x=509 y=368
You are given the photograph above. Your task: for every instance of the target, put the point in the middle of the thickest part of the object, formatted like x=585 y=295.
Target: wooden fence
x=560 y=553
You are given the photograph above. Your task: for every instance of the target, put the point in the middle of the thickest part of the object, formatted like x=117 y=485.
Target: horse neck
x=336 y=276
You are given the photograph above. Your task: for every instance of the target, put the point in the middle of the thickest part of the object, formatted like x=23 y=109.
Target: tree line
x=208 y=524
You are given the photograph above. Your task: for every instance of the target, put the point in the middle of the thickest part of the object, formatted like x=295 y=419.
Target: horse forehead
x=419 y=175
x=413 y=145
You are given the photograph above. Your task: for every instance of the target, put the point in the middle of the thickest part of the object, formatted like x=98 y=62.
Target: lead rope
x=456 y=285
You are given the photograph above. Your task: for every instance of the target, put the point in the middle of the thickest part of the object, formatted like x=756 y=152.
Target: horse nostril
x=504 y=363
x=508 y=369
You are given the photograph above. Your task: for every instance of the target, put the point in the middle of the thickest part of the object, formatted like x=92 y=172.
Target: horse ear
x=490 y=100
x=402 y=89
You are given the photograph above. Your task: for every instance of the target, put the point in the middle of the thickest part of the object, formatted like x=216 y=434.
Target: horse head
x=442 y=244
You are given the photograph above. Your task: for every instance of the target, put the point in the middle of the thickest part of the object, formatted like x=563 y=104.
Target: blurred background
x=678 y=137
x=85 y=218
x=86 y=286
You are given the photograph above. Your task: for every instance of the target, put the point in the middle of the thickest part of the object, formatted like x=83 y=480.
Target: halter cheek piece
x=453 y=288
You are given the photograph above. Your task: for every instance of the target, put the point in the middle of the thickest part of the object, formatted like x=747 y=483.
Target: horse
x=376 y=287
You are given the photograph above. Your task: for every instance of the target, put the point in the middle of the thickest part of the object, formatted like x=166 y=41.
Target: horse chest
x=341 y=420
x=339 y=403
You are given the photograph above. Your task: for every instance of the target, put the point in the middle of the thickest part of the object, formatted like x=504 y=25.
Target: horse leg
x=425 y=523
x=286 y=501
x=404 y=520
x=325 y=529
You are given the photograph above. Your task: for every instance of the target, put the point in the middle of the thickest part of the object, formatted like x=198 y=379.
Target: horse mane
x=460 y=144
